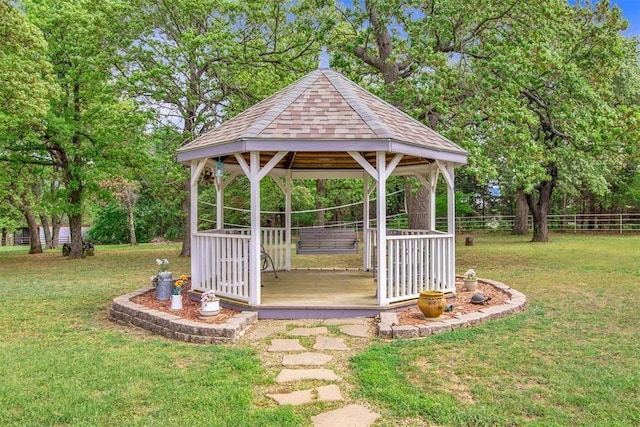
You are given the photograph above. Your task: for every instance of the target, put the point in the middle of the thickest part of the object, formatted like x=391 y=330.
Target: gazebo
x=322 y=126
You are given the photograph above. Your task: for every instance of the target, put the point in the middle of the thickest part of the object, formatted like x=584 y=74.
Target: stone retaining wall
x=126 y=312
x=389 y=328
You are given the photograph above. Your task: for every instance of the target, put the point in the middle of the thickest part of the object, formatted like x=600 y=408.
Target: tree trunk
x=75 y=229
x=48 y=242
x=34 y=233
x=132 y=226
x=186 y=211
x=540 y=207
x=521 y=220
x=55 y=230
x=418 y=209
x=321 y=190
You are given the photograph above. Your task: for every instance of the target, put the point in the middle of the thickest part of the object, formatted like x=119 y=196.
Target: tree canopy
x=545 y=97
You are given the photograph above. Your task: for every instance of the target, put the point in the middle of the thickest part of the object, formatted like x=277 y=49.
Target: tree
x=548 y=108
x=198 y=63
x=126 y=192
x=411 y=45
x=25 y=75
x=90 y=127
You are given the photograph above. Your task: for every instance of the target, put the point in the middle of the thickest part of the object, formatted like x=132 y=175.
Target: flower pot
x=164 y=288
x=470 y=285
x=432 y=303
x=176 y=302
x=210 y=307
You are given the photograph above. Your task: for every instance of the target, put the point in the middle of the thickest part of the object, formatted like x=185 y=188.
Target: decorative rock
x=287 y=375
x=348 y=321
x=385 y=331
x=307 y=332
x=306 y=359
x=294 y=398
x=285 y=345
x=326 y=343
x=355 y=330
x=350 y=415
x=406 y=331
x=261 y=332
x=329 y=393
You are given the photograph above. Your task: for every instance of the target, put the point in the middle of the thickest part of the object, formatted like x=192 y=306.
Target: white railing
x=222 y=263
x=417 y=260
x=273 y=242
x=222 y=260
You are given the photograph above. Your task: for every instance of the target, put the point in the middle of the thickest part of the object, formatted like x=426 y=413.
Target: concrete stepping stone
x=287 y=375
x=306 y=359
x=307 y=332
x=259 y=333
x=355 y=330
x=294 y=398
x=348 y=321
x=327 y=343
x=329 y=393
x=285 y=345
x=349 y=416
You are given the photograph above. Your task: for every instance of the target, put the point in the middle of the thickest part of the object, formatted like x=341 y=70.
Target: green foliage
x=25 y=75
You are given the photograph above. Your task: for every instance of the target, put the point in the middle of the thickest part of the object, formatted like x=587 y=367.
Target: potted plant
x=162 y=280
x=176 y=297
x=470 y=280
x=210 y=304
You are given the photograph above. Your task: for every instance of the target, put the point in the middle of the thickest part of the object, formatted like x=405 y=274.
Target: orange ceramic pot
x=432 y=303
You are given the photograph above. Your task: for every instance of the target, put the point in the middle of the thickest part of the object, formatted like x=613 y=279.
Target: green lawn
x=571 y=359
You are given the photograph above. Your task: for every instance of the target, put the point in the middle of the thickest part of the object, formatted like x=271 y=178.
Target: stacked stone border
x=389 y=328
x=126 y=312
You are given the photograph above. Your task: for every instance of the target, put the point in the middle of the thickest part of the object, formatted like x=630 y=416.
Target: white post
x=366 y=262
x=254 y=245
x=433 y=184
x=195 y=256
x=451 y=226
x=381 y=215
x=219 y=202
x=287 y=219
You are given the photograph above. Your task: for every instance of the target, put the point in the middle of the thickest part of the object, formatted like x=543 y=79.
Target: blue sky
x=631 y=11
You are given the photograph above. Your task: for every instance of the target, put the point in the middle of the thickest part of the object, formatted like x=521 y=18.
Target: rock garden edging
x=389 y=328
x=126 y=312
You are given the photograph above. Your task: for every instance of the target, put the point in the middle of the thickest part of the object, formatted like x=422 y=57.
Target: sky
x=631 y=11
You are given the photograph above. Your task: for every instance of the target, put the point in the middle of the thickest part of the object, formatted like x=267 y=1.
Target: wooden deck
x=319 y=294
x=318 y=288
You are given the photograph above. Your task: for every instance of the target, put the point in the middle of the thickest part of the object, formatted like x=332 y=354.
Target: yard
x=570 y=359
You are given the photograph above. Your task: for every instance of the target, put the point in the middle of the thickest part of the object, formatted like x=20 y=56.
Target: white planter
x=470 y=285
x=176 y=302
x=210 y=308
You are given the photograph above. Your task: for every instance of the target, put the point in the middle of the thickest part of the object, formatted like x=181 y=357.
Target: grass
x=570 y=359
x=63 y=363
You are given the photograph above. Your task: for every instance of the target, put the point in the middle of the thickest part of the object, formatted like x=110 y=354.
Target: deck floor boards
x=319 y=288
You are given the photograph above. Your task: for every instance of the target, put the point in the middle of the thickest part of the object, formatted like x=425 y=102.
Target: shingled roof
x=318 y=119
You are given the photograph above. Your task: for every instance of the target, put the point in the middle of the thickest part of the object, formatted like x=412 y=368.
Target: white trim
x=254 y=245
x=271 y=164
x=364 y=163
x=381 y=209
x=243 y=164
x=392 y=165
x=196 y=174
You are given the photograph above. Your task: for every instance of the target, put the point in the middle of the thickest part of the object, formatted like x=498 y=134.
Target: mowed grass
x=571 y=359
x=62 y=362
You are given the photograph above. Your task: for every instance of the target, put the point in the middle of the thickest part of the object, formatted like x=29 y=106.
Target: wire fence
x=575 y=223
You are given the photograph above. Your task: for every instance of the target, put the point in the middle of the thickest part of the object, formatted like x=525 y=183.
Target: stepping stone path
x=302 y=363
